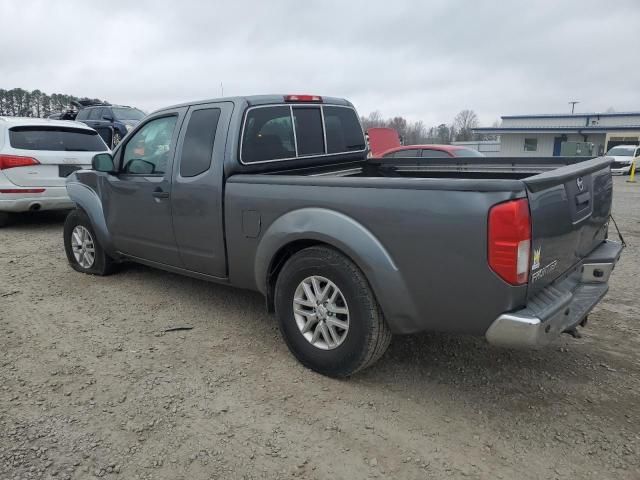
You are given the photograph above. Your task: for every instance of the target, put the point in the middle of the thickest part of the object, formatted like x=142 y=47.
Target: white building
x=491 y=148
x=542 y=135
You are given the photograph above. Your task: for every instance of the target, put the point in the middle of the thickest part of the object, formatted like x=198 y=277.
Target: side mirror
x=108 y=118
x=139 y=167
x=103 y=162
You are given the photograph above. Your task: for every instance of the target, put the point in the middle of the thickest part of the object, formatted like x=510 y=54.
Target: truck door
x=137 y=201
x=196 y=197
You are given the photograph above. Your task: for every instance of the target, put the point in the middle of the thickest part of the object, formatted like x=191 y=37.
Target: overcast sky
x=422 y=59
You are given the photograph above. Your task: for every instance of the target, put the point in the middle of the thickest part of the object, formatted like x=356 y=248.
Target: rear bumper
x=53 y=198
x=560 y=306
x=621 y=170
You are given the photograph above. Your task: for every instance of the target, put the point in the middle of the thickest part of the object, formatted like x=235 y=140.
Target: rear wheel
x=84 y=253
x=4 y=219
x=328 y=314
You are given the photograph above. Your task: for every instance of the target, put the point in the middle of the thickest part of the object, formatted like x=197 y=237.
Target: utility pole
x=573 y=105
x=221 y=90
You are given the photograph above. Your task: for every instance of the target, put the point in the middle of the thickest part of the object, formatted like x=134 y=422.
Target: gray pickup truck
x=275 y=194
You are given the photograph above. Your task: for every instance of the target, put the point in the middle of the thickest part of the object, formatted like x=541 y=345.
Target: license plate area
x=66 y=170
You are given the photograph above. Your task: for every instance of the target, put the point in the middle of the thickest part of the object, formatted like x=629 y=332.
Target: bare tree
x=444 y=133
x=464 y=123
x=415 y=133
x=399 y=124
x=373 y=120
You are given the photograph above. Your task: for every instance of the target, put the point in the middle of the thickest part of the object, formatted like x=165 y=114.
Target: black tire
x=102 y=263
x=368 y=335
x=4 y=219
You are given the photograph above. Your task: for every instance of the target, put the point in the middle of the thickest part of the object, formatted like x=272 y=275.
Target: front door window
x=147 y=152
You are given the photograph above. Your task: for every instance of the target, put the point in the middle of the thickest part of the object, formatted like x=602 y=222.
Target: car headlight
x=128 y=127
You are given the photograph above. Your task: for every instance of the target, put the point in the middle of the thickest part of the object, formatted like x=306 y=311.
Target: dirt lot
x=89 y=385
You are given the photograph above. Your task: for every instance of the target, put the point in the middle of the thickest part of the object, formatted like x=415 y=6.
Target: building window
x=530 y=144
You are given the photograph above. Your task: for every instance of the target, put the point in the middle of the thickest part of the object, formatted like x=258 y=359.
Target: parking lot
x=91 y=385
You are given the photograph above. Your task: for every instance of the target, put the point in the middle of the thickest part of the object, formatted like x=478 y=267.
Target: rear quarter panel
x=434 y=237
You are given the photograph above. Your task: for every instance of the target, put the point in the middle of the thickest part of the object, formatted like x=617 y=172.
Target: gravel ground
x=91 y=386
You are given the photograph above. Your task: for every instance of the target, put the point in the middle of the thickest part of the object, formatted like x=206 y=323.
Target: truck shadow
x=30 y=220
x=470 y=369
x=417 y=365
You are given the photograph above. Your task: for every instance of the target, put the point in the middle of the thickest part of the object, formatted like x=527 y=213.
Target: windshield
x=621 y=152
x=467 y=152
x=128 y=113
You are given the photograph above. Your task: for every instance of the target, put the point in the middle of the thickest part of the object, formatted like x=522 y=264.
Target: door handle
x=159 y=193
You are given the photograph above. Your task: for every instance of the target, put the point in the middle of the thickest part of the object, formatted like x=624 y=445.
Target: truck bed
x=433 y=226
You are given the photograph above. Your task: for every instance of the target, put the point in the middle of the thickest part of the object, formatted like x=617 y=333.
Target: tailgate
x=570 y=209
x=52 y=168
x=57 y=149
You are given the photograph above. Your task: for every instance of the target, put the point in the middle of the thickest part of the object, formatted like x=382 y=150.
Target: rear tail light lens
x=303 y=98
x=12 y=161
x=510 y=240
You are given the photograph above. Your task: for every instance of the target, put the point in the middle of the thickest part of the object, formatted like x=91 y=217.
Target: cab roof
x=252 y=100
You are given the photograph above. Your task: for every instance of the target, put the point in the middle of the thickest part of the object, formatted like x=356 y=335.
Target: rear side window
x=344 y=133
x=268 y=135
x=94 y=113
x=57 y=139
x=309 y=135
x=407 y=153
x=467 y=152
x=197 y=147
x=104 y=112
x=434 y=154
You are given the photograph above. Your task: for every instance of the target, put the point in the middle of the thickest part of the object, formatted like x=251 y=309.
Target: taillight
x=510 y=240
x=12 y=161
x=303 y=98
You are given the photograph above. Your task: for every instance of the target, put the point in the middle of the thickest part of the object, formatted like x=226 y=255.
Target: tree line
x=415 y=133
x=18 y=102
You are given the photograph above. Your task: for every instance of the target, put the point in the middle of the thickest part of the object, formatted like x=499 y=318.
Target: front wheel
x=327 y=313
x=84 y=253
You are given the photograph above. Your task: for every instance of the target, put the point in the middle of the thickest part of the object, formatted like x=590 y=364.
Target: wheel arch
x=87 y=200
x=303 y=228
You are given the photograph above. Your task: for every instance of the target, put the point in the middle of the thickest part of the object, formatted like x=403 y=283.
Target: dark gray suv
x=112 y=122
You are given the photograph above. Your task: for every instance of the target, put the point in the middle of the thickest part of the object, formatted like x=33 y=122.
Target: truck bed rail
x=533 y=165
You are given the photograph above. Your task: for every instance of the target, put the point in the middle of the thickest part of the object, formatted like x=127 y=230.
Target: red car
x=431 y=151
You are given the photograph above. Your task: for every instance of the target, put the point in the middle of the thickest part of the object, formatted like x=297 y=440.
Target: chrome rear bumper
x=560 y=306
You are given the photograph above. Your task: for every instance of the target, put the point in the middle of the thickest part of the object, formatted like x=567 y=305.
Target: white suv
x=36 y=156
x=623 y=156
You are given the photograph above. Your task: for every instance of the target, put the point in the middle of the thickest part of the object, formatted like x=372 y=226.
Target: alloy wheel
x=321 y=312
x=83 y=247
